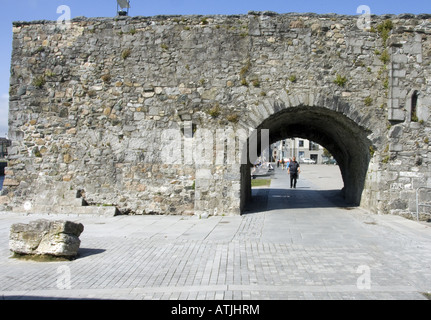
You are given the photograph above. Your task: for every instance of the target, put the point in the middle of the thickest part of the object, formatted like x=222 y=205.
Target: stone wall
x=97 y=105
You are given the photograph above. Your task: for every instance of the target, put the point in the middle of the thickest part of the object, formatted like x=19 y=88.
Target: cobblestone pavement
x=303 y=245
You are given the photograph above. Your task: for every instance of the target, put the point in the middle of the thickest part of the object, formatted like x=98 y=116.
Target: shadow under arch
x=345 y=139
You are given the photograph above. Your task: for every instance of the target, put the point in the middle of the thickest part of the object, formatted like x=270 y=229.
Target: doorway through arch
x=346 y=140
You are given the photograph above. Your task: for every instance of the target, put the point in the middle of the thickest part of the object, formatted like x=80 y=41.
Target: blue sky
x=27 y=10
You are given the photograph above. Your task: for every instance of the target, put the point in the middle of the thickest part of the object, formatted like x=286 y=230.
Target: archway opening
x=341 y=136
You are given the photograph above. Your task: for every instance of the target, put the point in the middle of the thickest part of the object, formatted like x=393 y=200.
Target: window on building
x=4 y=144
x=313 y=146
x=301 y=143
x=413 y=112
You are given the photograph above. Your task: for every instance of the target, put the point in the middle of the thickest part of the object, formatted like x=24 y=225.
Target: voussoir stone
x=44 y=237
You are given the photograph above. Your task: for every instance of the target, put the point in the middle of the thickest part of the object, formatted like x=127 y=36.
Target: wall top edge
x=220 y=16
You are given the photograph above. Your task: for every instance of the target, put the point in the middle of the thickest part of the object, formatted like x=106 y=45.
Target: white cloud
x=4 y=110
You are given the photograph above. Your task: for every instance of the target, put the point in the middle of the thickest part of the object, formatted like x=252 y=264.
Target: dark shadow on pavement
x=86 y=252
x=266 y=199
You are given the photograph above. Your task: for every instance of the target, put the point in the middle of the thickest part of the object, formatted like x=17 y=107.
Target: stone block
x=395 y=131
x=395 y=147
x=396 y=114
x=399 y=58
x=399 y=73
x=10 y=183
x=44 y=237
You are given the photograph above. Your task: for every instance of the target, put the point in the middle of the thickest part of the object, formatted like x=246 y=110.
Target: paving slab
x=302 y=245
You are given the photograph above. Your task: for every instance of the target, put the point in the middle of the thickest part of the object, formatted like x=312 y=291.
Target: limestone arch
x=333 y=125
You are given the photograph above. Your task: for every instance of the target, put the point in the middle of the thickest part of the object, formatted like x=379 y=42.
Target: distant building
x=4 y=144
x=299 y=148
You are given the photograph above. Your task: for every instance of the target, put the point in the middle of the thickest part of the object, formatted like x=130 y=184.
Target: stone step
x=60 y=197
x=65 y=200
x=107 y=211
x=77 y=202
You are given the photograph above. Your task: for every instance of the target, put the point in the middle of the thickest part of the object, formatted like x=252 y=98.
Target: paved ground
x=292 y=244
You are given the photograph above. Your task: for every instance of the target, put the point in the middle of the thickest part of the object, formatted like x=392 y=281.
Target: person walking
x=293 y=169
